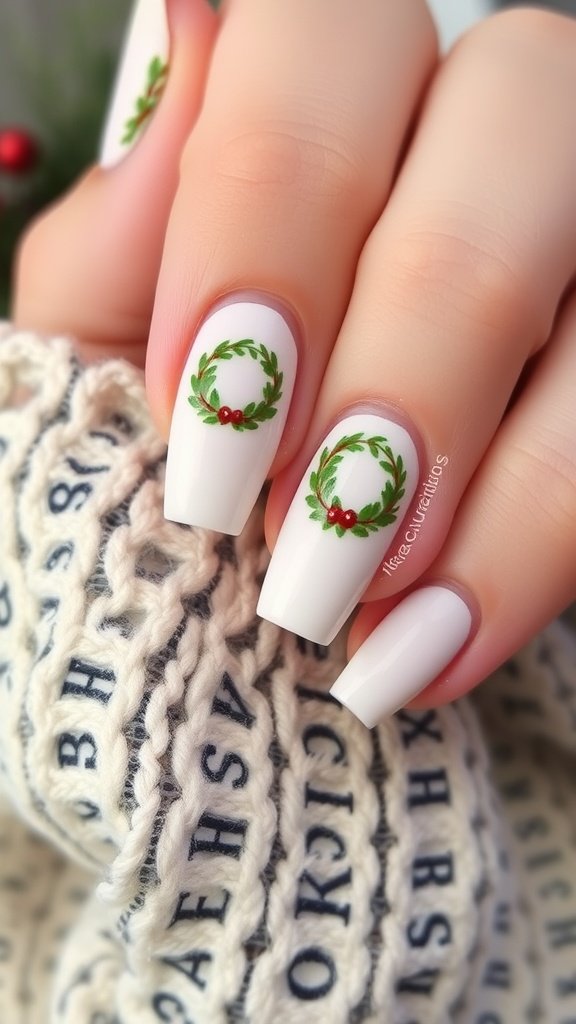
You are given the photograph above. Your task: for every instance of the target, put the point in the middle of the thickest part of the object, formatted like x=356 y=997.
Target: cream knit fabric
x=192 y=830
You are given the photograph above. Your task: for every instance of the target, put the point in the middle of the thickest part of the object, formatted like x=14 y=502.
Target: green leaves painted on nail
x=148 y=101
x=205 y=397
x=326 y=506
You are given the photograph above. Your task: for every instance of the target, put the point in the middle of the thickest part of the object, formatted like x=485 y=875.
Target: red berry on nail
x=333 y=515
x=224 y=414
x=349 y=519
x=237 y=417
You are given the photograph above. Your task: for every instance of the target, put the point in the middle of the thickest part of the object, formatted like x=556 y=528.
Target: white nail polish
x=229 y=415
x=405 y=653
x=140 y=80
x=339 y=526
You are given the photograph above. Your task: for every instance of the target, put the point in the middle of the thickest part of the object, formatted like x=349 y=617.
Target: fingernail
x=140 y=80
x=229 y=415
x=339 y=526
x=405 y=653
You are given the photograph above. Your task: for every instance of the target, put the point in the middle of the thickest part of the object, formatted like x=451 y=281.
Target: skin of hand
x=410 y=220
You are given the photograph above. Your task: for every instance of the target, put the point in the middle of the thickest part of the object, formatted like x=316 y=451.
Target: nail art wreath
x=205 y=397
x=146 y=103
x=326 y=505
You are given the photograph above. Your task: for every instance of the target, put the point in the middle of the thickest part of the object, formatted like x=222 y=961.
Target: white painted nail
x=405 y=653
x=339 y=526
x=140 y=80
x=229 y=415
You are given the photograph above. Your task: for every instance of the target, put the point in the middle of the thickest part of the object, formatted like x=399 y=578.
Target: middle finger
x=282 y=178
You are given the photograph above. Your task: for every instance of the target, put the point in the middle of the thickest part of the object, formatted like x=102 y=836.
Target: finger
x=89 y=265
x=458 y=283
x=508 y=568
x=281 y=181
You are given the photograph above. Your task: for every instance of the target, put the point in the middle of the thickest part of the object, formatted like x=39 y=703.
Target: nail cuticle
x=385 y=410
x=259 y=297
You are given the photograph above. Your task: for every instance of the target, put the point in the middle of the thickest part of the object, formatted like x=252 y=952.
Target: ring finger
x=510 y=557
x=457 y=285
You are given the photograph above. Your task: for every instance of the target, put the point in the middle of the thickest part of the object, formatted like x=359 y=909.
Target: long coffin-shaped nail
x=229 y=415
x=140 y=80
x=415 y=642
x=339 y=526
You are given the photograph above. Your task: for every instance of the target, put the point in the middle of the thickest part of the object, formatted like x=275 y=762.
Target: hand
x=372 y=252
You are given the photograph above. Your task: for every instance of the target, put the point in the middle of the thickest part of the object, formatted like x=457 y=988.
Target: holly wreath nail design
x=205 y=397
x=349 y=505
x=148 y=100
x=229 y=415
x=327 y=506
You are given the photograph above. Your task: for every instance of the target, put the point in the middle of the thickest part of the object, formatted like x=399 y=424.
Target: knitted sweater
x=192 y=830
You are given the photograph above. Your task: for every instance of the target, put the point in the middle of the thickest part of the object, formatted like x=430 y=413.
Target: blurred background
x=57 y=62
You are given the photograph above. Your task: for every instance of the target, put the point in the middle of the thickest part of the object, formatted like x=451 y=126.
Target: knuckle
x=547 y=466
x=453 y=279
x=264 y=162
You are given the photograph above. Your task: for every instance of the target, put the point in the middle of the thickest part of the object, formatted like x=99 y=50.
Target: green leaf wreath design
x=325 y=504
x=205 y=397
x=146 y=103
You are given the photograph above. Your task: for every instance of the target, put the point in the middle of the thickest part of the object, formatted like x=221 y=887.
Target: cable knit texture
x=192 y=831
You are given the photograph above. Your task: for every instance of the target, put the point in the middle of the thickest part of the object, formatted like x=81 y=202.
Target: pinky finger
x=508 y=567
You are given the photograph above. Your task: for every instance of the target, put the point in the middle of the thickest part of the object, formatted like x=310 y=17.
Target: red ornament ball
x=18 y=151
x=224 y=414
x=237 y=417
x=349 y=519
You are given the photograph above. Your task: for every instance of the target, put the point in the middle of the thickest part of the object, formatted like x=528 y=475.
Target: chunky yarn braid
x=192 y=830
